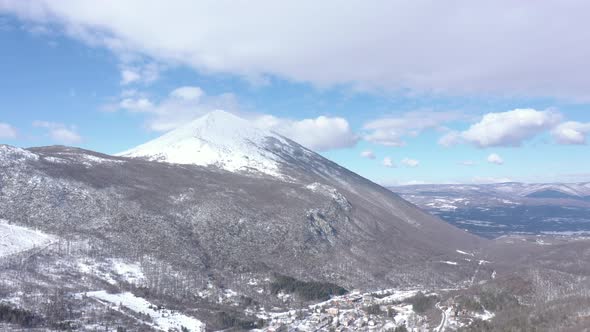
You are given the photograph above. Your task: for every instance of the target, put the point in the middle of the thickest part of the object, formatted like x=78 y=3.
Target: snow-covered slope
x=15 y=239
x=159 y=318
x=218 y=138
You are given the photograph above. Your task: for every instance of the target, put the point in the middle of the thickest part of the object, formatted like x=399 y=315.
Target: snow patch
x=449 y=262
x=113 y=270
x=130 y=272
x=98 y=160
x=465 y=253
x=15 y=239
x=330 y=192
x=10 y=155
x=163 y=319
x=486 y=315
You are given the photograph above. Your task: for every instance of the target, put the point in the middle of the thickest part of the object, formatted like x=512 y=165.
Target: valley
x=495 y=210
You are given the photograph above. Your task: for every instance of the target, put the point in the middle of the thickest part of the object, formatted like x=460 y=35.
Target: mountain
x=218 y=138
x=492 y=210
x=215 y=213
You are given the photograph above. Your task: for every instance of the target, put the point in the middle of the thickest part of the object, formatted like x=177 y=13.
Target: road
x=443 y=320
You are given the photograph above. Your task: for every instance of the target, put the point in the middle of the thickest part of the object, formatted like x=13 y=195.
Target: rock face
x=220 y=199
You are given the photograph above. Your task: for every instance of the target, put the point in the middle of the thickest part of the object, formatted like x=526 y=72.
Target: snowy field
x=162 y=319
x=15 y=239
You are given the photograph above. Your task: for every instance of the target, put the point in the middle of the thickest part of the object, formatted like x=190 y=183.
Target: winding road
x=443 y=320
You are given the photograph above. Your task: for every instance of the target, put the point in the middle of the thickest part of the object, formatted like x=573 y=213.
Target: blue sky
x=71 y=76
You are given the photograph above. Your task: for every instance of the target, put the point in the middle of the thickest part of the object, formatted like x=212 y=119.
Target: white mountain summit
x=218 y=138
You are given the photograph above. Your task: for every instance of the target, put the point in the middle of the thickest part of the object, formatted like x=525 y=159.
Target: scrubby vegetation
x=17 y=316
x=373 y=309
x=228 y=320
x=401 y=328
x=496 y=301
x=307 y=291
x=422 y=303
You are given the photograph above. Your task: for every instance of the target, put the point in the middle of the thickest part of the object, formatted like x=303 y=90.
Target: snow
x=219 y=139
x=465 y=253
x=113 y=270
x=10 y=154
x=447 y=204
x=329 y=191
x=449 y=262
x=85 y=159
x=163 y=319
x=396 y=295
x=486 y=315
x=348 y=309
x=15 y=239
x=98 y=160
x=131 y=272
x=56 y=160
x=567 y=233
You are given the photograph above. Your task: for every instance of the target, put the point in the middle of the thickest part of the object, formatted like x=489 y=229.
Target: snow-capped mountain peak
x=218 y=138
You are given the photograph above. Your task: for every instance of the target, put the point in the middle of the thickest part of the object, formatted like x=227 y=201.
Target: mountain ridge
x=209 y=237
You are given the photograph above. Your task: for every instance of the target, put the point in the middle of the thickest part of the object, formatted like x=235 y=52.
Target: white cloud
x=571 y=132
x=319 y=134
x=59 y=132
x=188 y=93
x=186 y=103
x=143 y=73
x=509 y=128
x=7 y=131
x=129 y=76
x=392 y=131
x=410 y=162
x=388 y=162
x=368 y=154
x=450 y=139
x=494 y=158
x=468 y=163
x=495 y=47
x=180 y=106
x=141 y=104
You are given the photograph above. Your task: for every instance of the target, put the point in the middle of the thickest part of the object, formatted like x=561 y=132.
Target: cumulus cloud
x=392 y=131
x=368 y=154
x=571 y=132
x=7 y=131
x=319 y=134
x=129 y=76
x=180 y=106
x=494 y=158
x=450 y=139
x=142 y=73
x=388 y=162
x=186 y=103
x=140 y=104
x=479 y=48
x=509 y=128
x=410 y=162
x=60 y=132
x=188 y=93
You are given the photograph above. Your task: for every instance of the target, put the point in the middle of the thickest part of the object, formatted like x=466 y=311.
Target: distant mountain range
x=492 y=210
